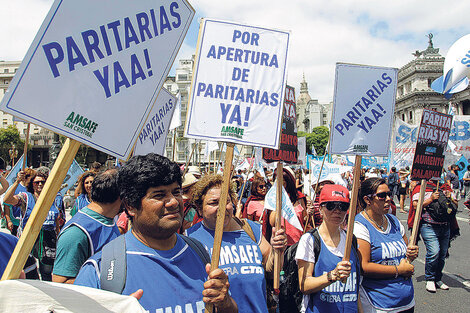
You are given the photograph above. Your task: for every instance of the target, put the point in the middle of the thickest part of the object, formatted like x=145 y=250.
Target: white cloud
x=323 y=32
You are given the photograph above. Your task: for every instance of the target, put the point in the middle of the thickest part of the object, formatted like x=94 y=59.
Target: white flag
x=176 y=118
x=288 y=212
x=258 y=165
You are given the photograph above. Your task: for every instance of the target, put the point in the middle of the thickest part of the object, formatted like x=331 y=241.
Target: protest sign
x=152 y=138
x=462 y=164
x=95 y=69
x=238 y=84
x=302 y=150
x=11 y=177
x=288 y=212
x=432 y=139
x=287 y=151
x=364 y=105
x=403 y=144
x=327 y=171
x=71 y=178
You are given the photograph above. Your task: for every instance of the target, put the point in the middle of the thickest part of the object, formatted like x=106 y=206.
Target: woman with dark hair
x=245 y=254
x=254 y=206
x=83 y=192
x=384 y=249
x=45 y=246
x=300 y=205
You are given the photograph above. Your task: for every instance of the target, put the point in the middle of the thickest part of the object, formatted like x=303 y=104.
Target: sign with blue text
x=95 y=69
x=152 y=138
x=364 y=104
x=237 y=91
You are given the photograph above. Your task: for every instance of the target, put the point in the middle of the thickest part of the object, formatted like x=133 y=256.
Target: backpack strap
x=198 y=248
x=114 y=265
x=246 y=227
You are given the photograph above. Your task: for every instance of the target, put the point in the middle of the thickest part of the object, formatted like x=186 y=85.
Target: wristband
x=329 y=276
x=396 y=271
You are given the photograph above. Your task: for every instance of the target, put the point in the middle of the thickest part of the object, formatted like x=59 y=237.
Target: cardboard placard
x=238 y=84
x=432 y=138
x=364 y=105
x=287 y=151
x=95 y=68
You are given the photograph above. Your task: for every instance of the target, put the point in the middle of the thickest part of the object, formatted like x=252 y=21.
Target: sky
x=323 y=32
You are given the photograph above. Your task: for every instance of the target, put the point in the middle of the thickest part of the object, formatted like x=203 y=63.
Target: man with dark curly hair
x=163 y=270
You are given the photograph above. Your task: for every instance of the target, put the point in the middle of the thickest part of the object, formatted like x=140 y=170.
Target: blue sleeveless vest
x=387 y=249
x=82 y=201
x=241 y=259
x=49 y=223
x=337 y=297
x=98 y=234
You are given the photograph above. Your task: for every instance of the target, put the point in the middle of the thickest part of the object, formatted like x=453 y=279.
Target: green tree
x=318 y=138
x=10 y=136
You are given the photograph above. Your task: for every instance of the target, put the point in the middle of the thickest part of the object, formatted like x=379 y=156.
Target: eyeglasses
x=262 y=186
x=382 y=195
x=330 y=206
x=39 y=182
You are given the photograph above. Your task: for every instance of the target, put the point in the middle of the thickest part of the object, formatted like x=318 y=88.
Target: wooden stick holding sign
x=25 y=151
x=316 y=189
x=278 y=254
x=418 y=212
x=219 y=226
x=41 y=210
x=352 y=207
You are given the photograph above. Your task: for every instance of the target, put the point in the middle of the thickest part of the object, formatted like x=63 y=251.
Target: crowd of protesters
x=167 y=216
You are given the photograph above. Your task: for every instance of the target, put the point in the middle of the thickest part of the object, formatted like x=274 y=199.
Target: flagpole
x=186 y=168
x=174 y=144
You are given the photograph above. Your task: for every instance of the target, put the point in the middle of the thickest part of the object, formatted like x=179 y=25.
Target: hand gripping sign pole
x=278 y=254
x=352 y=207
x=41 y=209
x=219 y=226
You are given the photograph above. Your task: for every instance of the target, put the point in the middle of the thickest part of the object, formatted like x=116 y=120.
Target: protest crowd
x=164 y=217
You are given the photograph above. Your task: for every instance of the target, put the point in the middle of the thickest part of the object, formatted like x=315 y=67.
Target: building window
x=182 y=77
x=403 y=117
x=411 y=116
x=466 y=107
x=408 y=87
x=6 y=71
x=6 y=82
x=400 y=91
x=429 y=82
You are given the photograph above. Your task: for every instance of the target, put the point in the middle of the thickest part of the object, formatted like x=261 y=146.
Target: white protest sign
x=95 y=69
x=364 y=105
x=237 y=91
x=152 y=138
x=288 y=212
x=330 y=171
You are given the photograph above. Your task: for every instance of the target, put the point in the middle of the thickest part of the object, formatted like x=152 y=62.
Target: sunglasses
x=39 y=182
x=330 y=206
x=262 y=186
x=382 y=195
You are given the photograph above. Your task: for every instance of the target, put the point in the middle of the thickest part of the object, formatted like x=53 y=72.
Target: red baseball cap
x=332 y=193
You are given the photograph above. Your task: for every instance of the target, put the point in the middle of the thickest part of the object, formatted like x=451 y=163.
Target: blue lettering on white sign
x=365 y=114
x=108 y=39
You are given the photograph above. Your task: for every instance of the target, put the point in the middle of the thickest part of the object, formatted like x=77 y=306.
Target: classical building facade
x=311 y=113
x=414 y=88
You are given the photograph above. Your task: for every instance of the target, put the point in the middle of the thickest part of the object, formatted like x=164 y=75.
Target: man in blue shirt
x=90 y=229
x=159 y=262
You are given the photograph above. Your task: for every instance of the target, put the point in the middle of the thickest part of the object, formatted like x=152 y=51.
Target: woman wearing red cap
x=328 y=283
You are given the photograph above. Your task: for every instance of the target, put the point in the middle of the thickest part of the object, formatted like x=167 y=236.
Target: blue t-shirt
x=8 y=243
x=15 y=212
x=337 y=297
x=172 y=280
x=241 y=259
x=387 y=249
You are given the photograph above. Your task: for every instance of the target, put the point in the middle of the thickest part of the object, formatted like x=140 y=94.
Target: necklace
x=381 y=227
